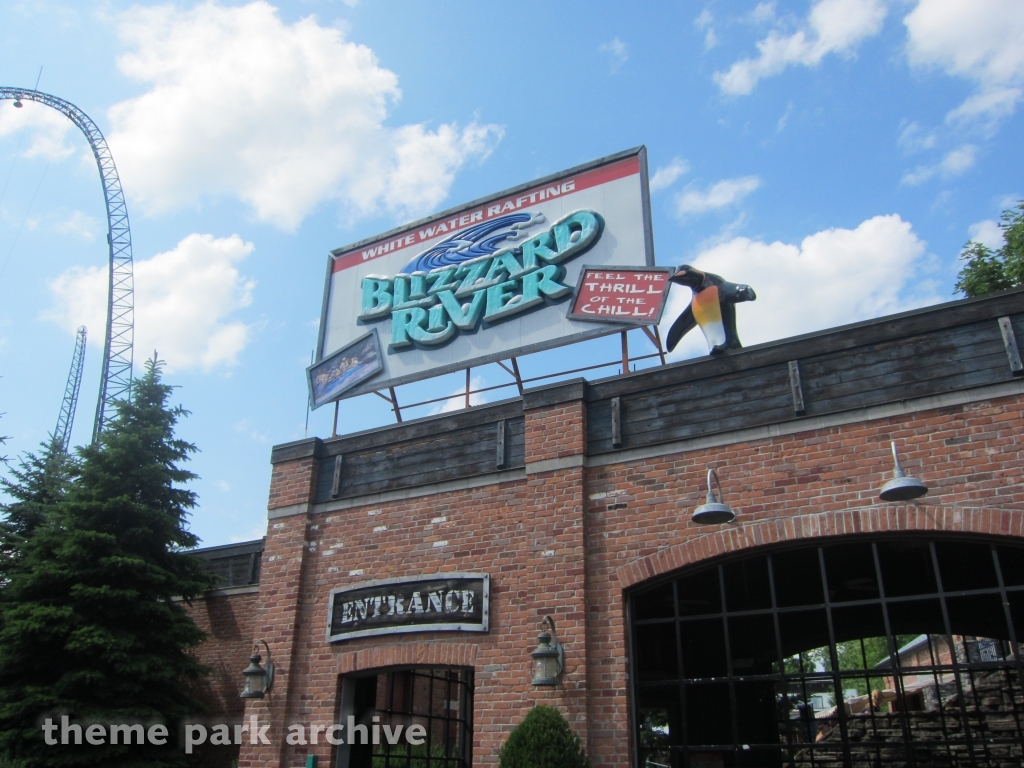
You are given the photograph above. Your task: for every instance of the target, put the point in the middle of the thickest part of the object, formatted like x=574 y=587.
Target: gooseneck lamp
x=549 y=658
x=714 y=511
x=257 y=679
x=901 y=487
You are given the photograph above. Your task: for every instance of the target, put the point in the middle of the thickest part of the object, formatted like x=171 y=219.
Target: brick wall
x=567 y=540
x=228 y=621
x=556 y=432
x=816 y=483
x=292 y=482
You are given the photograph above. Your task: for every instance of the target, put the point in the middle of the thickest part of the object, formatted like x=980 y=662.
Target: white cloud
x=763 y=13
x=832 y=277
x=457 y=400
x=48 y=130
x=833 y=26
x=80 y=224
x=978 y=40
x=667 y=174
x=183 y=302
x=988 y=233
x=704 y=21
x=617 y=52
x=959 y=160
x=725 y=193
x=283 y=116
x=953 y=163
x=257 y=531
x=245 y=427
x=914 y=139
x=991 y=105
x=780 y=126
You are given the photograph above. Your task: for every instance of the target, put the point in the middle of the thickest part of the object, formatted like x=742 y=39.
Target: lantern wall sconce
x=257 y=679
x=901 y=487
x=714 y=511
x=549 y=657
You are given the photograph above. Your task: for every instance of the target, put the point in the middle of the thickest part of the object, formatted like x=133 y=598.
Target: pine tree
x=990 y=270
x=40 y=482
x=91 y=623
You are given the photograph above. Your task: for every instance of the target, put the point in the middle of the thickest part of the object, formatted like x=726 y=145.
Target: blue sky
x=836 y=155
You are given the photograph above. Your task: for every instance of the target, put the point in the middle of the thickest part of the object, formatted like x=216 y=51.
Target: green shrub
x=543 y=740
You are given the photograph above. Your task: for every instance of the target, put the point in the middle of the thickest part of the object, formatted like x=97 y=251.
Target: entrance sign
x=457 y=602
x=621 y=295
x=479 y=283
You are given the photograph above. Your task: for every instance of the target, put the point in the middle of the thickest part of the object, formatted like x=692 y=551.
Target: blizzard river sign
x=429 y=308
x=457 y=602
x=480 y=283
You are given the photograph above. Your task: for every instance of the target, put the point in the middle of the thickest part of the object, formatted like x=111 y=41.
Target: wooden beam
x=616 y=422
x=339 y=462
x=1010 y=342
x=499 y=459
x=797 y=388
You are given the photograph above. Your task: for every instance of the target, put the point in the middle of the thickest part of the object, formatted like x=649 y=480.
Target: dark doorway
x=893 y=651
x=439 y=700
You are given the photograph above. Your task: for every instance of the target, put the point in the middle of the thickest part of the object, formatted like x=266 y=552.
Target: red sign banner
x=633 y=295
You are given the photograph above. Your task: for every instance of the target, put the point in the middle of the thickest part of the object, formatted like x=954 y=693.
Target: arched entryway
x=883 y=650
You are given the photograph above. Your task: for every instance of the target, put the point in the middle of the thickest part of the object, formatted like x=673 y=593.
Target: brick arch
x=889 y=518
x=408 y=654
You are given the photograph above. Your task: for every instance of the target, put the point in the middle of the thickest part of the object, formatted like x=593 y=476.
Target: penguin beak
x=686 y=275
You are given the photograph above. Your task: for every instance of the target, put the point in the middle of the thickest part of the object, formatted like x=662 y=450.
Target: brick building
x=683 y=644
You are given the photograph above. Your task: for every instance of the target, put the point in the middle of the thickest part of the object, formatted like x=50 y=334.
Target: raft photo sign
x=453 y=602
x=484 y=281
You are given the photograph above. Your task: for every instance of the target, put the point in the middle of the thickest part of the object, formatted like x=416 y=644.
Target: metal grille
x=439 y=699
x=897 y=651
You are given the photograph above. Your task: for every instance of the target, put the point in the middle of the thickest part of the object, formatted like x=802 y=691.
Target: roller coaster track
x=116 y=378
x=66 y=420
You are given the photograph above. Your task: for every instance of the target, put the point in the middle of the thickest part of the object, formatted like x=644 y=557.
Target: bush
x=543 y=740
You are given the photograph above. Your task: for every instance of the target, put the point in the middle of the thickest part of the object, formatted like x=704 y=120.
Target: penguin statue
x=713 y=308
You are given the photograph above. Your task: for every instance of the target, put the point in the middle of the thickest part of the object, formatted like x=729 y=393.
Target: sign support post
x=655 y=340
x=514 y=372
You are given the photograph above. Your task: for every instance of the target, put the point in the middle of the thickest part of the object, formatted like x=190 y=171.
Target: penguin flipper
x=682 y=326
